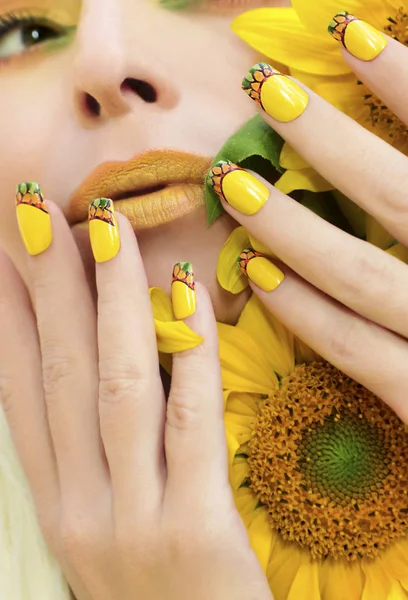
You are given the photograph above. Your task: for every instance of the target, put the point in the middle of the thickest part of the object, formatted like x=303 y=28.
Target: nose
x=112 y=75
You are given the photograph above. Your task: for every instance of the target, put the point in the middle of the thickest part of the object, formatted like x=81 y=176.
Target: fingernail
x=277 y=94
x=183 y=290
x=103 y=230
x=358 y=37
x=260 y=270
x=33 y=219
x=238 y=187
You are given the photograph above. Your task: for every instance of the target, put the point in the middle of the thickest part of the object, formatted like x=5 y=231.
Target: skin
x=92 y=420
x=198 y=109
x=181 y=532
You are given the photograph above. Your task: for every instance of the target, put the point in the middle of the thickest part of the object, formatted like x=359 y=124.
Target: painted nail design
x=260 y=270
x=33 y=219
x=277 y=94
x=103 y=230
x=183 y=290
x=238 y=187
x=358 y=37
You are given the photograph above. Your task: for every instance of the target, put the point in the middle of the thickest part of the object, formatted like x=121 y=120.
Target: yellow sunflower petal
x=346 y=95
x=283 y=566
x=243 y=422
x=232 y=447
x=259 y=246
x=244 y=367
x=278 y=34
x=305 y=179
x=318 y=19
x=229 y=274
x=336 y=575
x=239 y=426
x=172 y=336
x=397 y=592
x=395 y=561
x=353 y=213
x=304 y=354
x=313 y=81
x=261 y=537
x=377 y=235
x=306 y=582
x=246 y=501
x=241 y=404
x=399 y=251
x=274 y=340
x=377 y=580
x=239 y=472
x=289 y=159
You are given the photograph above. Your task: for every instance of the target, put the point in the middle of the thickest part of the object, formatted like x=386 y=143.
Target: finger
x=359 y=275
x=380 y=62
x=22 y=395
x=67 y=329
x=361 y=165
x=131 y=397
x=195 y=436
x=373 y=356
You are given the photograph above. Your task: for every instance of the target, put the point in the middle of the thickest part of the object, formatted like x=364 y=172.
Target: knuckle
x=368 y=271
x=343 y=340
x=57 y=371
x=183 y=409
x=119 y=384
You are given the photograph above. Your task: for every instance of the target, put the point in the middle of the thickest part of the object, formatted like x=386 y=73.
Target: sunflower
x=297 y=37
x=318 y=467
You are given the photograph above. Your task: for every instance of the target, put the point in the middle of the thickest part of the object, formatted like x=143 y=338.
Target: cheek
x=32 y=124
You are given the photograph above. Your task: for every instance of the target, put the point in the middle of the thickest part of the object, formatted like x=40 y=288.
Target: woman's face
x=129 y=81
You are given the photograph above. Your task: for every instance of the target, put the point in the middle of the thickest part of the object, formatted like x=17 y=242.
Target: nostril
x=92 y=105
x=143 y=89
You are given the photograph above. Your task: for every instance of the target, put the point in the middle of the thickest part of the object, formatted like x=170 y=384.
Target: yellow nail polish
x=358 y=37
x=33 y=219
x=183 y=290
x=260 y=270
x=277 y=94
x=239 y=188
x=103 y=230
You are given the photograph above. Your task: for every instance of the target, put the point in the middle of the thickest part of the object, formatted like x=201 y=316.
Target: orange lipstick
x=151 y=189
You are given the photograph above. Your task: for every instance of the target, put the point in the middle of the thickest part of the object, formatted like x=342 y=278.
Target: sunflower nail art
x=275 y=93
x=183 y=290
x=33 y=218
x=103 y=229
x=240 y=189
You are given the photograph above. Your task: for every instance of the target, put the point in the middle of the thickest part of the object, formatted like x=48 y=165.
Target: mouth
x=151 y=189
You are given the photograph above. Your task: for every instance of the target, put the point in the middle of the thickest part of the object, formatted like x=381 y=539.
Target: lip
x=151 y=189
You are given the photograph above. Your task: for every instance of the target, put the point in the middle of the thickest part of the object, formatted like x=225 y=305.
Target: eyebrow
x=177 y=4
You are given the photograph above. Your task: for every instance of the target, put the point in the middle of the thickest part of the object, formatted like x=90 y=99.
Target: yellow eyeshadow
x=63 y=12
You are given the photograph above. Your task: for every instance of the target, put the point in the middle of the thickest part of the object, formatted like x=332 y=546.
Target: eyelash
x=12 y=21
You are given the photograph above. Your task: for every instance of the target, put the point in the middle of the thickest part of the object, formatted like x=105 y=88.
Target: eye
x=18 y=35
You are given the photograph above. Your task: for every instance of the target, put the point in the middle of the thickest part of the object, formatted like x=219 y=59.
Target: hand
x=132 y=496
x=344 y=297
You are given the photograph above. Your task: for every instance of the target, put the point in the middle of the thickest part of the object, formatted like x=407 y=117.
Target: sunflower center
x=379 y=114
x=329 y=461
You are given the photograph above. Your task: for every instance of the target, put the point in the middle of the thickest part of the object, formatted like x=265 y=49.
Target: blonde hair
x=28 y=570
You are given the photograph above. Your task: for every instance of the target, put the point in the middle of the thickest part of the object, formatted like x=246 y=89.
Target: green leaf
x=255 y=144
